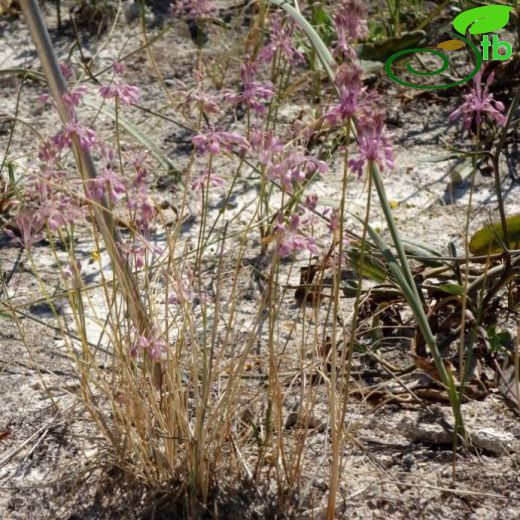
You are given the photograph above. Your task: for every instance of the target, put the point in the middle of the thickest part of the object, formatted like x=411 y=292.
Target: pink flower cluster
x=280 y=42
x=253 y=93
x=54 y=196
x=291 y=241
x=350 y=24
x=374 y=145
x=29 y=229
x=151 y=346
x=479 y=102
x=287 y=166
x=353 y=96
x=139 y=199
x=86 y=136
x=207 y=177
x=126 y=94
x=215 y=141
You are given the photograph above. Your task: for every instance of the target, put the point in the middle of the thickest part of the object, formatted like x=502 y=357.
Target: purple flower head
x=253 y=92
x=109 y=183
x=350 y=23
x=139 y=160
x=46 y=99
x=72 y=272
x=214 y=141
x=86 y=136
x=374 y=145
x=152 y=346
x=49 y=154
x=280 y=41
x=311 y=201
x=29 y=229
x=353 y=97
x=66 y=70
x=293 y=168
x=184 y=292
x=202 y=180
x=142 y=206
x=73 y=97
x=265 y=146
x=479 y=102
x=200 y=99
x=290 y=239
x=126 y=94
x=118 y=68
x=58 y=211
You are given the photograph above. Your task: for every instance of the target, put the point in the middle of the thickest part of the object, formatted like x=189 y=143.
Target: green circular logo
x=445 y=64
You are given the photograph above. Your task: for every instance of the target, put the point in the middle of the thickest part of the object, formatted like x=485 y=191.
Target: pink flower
x=184 y=290
x=73 y=273
x=291 y=241
x=139 y=160
x=265 y=145
x=118 y=68
x=46 y=99
x=374 y=145
x=353 y=97
x=333 y=224
x=65 y=70
x=253 y=92
x=280 y=41
x=293 y=168
x=29 y=229
x=49 y=154
x=350 y=23
x=200 y=99
x=73 y=97
x=311 y=201
x=126 y=94
x=153 y=347
x=200 y=182
x=142 y=205
x=214 y=141
x=108 y=183
x=86 y=136
x=479 y=102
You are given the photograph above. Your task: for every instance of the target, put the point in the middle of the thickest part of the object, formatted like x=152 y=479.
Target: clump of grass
x=188 y=382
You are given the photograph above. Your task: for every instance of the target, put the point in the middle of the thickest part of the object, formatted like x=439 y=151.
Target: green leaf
x=481 y=20
x=499 y=341
x=372 y=269
x=350 y=289
x=452 y=288
x=490 y=239
x=428 y=253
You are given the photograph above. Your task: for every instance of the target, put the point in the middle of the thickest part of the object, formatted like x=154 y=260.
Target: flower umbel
x=374 y=145
x=350 y=23
x=29 y=229
x=280 y=41
x=479 y=102
x=253 y=92
x=214 y=141
x=125 y=93
x=291 y=240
